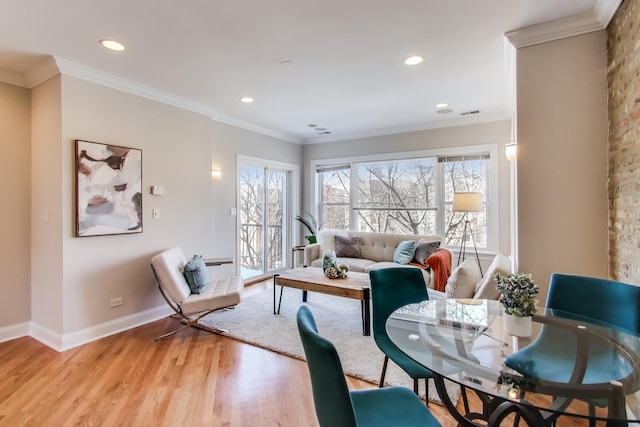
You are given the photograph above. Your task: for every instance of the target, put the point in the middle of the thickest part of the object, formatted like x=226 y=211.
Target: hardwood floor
x=193 y=378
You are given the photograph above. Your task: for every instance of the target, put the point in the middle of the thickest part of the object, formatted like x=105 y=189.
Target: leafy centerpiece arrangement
x=517 y=295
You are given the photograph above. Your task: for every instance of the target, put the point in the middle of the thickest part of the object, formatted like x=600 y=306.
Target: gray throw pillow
x=405 y=252
x=425 y=248
x=348 y=247
x=195 y=271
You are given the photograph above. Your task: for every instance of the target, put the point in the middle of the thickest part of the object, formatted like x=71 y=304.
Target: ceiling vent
x=469 y=113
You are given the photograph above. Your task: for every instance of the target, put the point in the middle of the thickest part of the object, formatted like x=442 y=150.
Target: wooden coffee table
x=312 y=279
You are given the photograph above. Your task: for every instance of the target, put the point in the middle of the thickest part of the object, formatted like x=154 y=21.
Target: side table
x=299 y=248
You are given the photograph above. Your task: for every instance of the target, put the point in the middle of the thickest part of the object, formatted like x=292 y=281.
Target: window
x=412 y=195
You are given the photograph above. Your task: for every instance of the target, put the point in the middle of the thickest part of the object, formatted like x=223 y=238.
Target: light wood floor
x=191 y=379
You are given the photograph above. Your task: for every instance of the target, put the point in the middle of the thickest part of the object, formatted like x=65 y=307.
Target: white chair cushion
x=218 y=294
x=486 y=288
x=169 y=266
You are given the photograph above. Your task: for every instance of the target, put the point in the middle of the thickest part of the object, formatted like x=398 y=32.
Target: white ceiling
x=346 y=69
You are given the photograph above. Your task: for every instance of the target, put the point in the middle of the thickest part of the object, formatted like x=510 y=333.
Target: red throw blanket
x=440 y=263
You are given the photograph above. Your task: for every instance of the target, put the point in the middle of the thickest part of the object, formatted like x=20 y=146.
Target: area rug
x=338 y=319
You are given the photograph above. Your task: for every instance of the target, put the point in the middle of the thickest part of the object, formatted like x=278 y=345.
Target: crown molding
x=12 y=78
x=587 y=22
x=410 y=128
x=56 y=65
x=259 y=129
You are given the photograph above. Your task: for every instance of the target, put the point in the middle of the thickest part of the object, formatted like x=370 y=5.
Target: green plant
x=309 y=221
x=517 y=292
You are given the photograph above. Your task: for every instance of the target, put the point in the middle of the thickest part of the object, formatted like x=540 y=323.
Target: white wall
x=46 y=199
x=562 y=158
x=486 y=133
x=15 y=226
x=75 y=278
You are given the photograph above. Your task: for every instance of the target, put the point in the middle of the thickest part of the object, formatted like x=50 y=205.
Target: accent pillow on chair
x=463 y=280
x=195 y=271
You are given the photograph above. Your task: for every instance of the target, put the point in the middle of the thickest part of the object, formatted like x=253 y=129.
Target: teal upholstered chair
x=392 y=288
x=610 y=303
x=336 y=406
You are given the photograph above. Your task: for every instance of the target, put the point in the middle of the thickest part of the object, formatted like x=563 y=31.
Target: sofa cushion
x=348 y=246
x=426 y=274
x=382 y=246
x=463 y=280
x=424 y=249
x=486 y=288
x=355 y=264
x=405 y=252
x=195 y=271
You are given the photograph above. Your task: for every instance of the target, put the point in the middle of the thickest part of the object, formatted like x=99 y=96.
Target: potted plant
x=309 y=221
x=517 y=295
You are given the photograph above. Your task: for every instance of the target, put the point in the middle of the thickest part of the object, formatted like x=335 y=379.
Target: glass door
x=263 y=220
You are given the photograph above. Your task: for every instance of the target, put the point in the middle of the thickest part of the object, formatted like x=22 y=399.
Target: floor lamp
x=467 y=202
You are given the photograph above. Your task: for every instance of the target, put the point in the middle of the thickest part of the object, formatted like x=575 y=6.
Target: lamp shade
x=467 y=202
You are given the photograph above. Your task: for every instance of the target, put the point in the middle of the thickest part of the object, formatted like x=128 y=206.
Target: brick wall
x=623 y=46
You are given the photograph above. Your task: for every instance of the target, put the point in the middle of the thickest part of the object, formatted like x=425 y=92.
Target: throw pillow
x=424 y=249
x=463 y=280
x=486 y=289
x=405 y=252
x=326 y=238
x=348 y=247
x=195 y=271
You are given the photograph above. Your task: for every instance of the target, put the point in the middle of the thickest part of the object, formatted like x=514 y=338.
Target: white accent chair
x=168 y=269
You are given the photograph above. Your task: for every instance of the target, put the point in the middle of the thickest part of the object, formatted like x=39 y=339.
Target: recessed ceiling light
x=246 y=99
x=414 y=60
x=442 y=105
x=112 y=45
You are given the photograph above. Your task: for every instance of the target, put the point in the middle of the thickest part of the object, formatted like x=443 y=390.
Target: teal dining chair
x=608 y=303
x=392 y=288
x=336 y=406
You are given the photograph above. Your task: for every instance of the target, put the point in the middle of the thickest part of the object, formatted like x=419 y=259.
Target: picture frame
x=108 y=189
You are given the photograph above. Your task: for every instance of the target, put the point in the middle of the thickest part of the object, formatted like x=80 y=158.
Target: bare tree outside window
x=396 y=197
x=464 y=176
x=412 y=196
x=261 y=217
x=336 y=198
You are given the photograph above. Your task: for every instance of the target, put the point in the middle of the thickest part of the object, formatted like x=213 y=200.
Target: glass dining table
x=569 y=366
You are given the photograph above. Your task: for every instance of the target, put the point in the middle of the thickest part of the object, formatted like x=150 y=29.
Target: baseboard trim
x=84 y=336
x=64 y=342
x=11 y=332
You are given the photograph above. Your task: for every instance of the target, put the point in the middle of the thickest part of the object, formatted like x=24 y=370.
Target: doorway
x=264 y=216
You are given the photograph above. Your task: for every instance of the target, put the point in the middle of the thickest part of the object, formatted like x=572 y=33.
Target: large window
x=406 y=195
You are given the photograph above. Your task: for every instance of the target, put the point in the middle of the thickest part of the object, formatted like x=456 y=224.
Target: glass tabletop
x=568 y=362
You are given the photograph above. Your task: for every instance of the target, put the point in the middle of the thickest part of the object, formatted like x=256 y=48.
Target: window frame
x=492 y=195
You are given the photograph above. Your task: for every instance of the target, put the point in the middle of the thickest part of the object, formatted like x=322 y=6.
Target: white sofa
x=377 y=250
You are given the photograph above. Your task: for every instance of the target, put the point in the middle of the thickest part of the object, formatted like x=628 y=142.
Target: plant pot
x=517 y=326
x=311 y=239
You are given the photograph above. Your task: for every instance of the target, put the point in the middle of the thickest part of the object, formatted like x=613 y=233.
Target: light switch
x=156 y=214
x=232 y=212
x=157 y=190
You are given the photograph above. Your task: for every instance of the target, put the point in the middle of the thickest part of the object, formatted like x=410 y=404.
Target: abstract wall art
x=108 y=189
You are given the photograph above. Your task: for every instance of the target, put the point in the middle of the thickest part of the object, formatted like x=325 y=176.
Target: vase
x=517 y=326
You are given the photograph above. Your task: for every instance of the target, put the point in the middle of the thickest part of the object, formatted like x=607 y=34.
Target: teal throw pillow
x=195 y=271
x=405 y=252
